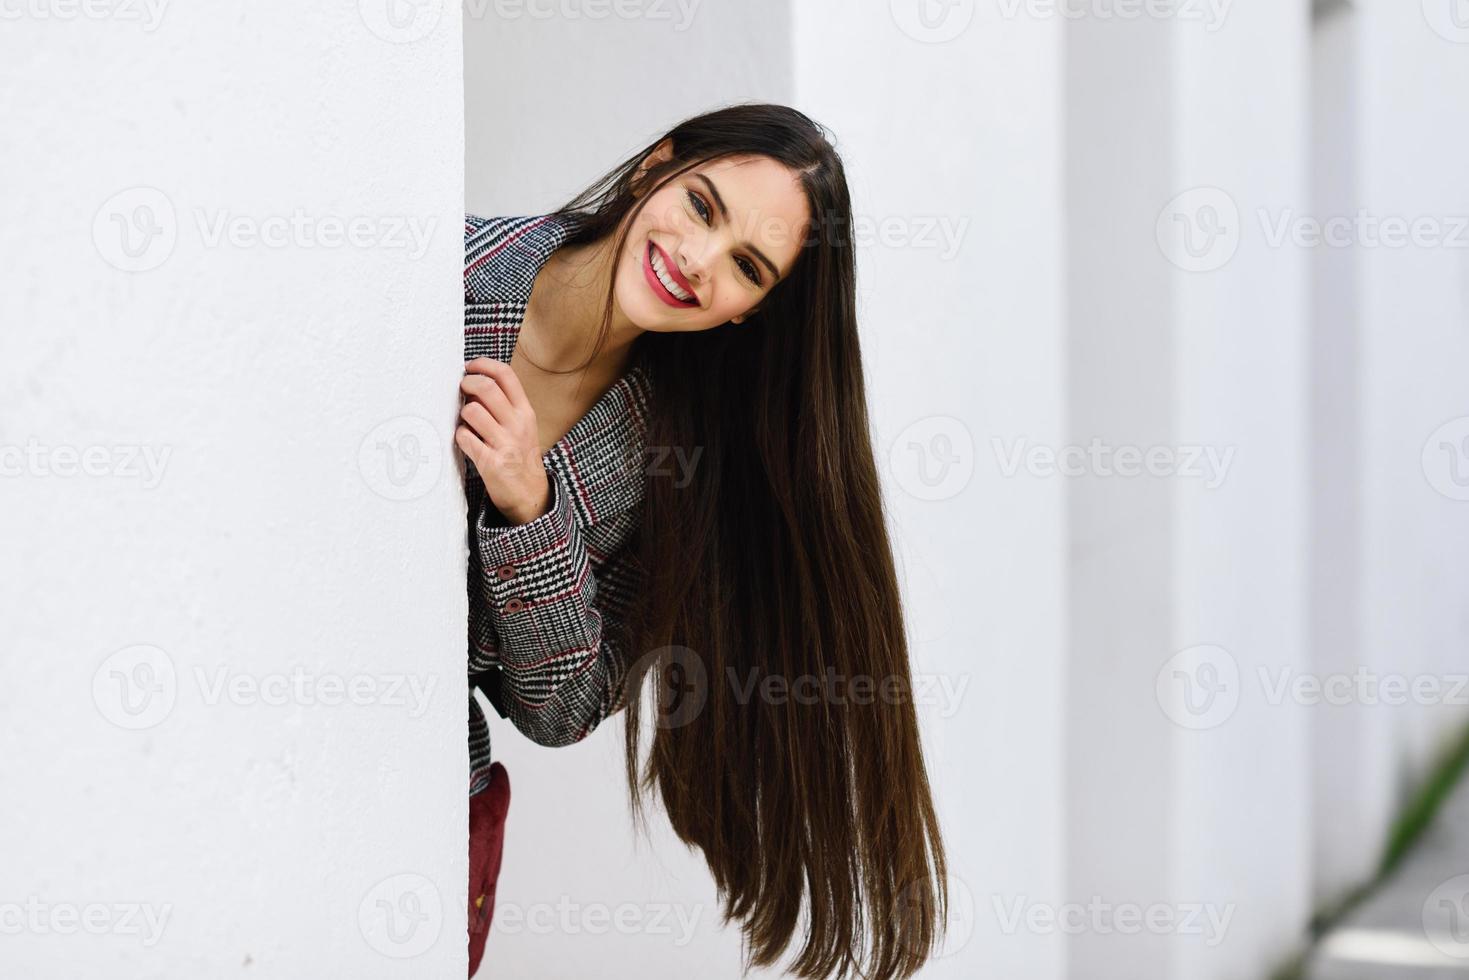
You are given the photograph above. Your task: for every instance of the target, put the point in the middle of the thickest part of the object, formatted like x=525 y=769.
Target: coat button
x=505 y=573
x=514 y=605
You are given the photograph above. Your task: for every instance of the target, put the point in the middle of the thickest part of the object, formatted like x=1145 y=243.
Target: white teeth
x=667 y=280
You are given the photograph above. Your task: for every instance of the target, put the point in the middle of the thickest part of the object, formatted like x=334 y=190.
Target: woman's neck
x=564 y=313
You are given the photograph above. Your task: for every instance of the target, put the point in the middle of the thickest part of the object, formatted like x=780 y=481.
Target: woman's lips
x=656 y=284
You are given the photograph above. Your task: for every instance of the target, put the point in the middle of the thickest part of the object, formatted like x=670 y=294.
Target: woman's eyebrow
x=724 y=213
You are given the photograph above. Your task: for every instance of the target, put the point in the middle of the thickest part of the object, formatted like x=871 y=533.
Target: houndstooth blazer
x=547 y=598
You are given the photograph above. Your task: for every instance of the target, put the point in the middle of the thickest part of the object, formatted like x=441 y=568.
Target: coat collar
x=600 y=461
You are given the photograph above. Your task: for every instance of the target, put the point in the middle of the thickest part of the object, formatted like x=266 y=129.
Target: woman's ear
x=660 y=154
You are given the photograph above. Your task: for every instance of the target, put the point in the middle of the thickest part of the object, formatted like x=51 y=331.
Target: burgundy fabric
x=486 y=845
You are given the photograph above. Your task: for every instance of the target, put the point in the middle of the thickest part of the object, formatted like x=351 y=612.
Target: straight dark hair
x=775 y=560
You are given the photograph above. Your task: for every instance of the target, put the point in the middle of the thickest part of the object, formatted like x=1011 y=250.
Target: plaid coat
x=547 y=598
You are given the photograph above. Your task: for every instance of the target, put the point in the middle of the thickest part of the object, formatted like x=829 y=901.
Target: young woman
x=683 y=336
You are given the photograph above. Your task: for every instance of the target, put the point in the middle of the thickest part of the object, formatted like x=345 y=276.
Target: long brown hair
x=774 y=560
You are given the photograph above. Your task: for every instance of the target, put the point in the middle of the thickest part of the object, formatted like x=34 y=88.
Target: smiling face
x=711 y=243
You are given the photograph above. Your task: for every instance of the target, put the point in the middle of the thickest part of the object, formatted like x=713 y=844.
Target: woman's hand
x=498 y=433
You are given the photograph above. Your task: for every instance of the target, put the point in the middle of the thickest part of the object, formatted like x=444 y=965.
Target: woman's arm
x=556 y=622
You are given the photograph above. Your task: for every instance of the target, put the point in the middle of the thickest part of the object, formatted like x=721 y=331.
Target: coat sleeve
x=556 y=595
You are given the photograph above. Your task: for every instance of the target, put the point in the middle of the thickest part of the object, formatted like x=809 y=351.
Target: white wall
x=266 y=830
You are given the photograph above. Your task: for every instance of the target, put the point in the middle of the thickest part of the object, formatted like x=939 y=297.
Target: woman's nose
x=693 y=259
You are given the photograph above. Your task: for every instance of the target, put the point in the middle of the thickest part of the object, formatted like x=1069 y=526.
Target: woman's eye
x=748 y=268
x=699 y=206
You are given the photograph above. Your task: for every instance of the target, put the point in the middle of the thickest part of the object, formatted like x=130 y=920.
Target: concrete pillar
x=232 y=726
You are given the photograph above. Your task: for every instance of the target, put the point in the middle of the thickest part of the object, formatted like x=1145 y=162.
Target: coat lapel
x=600 y=461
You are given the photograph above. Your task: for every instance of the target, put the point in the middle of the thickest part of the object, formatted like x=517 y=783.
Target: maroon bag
x=487 y=811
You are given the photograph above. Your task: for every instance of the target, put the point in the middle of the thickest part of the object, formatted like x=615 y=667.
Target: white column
x=1189 y=790
x=233 y=718
x=1415 y=400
